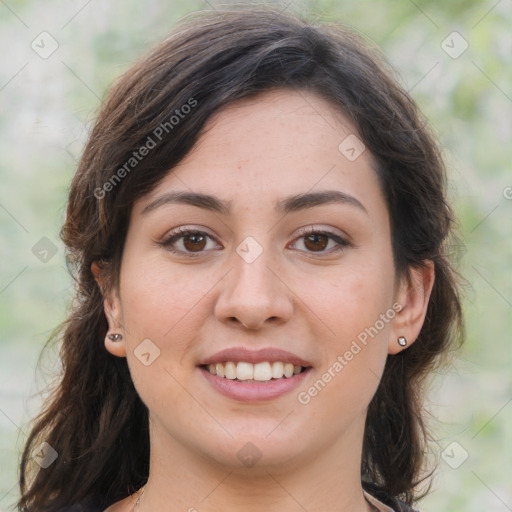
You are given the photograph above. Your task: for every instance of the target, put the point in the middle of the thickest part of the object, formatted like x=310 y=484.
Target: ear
x=413 y=295
x=113 y=312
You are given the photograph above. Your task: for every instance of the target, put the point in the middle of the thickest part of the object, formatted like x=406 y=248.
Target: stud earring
x=402 y=341
x=115 y=337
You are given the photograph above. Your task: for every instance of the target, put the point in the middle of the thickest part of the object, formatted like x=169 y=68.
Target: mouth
x=254 y=375
x=265 y=371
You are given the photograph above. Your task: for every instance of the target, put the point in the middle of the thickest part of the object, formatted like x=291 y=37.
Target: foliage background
x=47 y=107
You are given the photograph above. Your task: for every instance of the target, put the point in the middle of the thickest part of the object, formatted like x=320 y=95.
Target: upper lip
x=254 y=356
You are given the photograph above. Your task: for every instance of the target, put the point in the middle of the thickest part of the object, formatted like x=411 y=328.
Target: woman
x=257 y=228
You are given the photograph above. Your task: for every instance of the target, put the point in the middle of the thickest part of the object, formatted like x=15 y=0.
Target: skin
x=298 y=295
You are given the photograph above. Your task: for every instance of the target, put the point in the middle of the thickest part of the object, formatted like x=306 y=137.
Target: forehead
x=278 y=143
x=285 y=119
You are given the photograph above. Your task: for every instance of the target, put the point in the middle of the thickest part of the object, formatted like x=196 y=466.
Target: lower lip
x=254 y=391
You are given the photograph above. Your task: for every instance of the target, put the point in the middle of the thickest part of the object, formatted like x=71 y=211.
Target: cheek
x=357 y=310
x=154 y=294
x=164 y=306
x=350 y=300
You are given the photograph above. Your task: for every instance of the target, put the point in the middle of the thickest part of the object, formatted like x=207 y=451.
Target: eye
x=187 y=241
x=320 y=241
x=192 y=242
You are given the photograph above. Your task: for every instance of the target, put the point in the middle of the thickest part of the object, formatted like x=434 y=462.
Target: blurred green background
x=47 y=106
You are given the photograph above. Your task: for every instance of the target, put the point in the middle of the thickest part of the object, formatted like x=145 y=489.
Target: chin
x=258 y=452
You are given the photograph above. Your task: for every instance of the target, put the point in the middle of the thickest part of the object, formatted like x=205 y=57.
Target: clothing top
x=389 y=504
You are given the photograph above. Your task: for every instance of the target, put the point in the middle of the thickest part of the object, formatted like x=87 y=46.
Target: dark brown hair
x=94 y=417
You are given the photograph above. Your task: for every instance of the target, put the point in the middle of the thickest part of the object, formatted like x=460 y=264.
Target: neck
x=189 y=481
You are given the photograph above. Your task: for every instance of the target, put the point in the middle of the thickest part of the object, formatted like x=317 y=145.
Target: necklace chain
x=138 y=499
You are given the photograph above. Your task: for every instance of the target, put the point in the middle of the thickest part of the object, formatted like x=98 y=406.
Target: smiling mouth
x=251 y=373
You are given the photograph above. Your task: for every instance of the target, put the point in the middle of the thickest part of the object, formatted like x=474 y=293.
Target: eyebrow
x=287 y=205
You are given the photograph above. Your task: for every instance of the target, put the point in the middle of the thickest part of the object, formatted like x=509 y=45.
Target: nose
x=254 y=294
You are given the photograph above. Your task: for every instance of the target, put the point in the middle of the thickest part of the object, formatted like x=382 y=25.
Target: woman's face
x=250 y=288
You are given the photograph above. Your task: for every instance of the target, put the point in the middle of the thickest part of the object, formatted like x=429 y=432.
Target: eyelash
x=168 y=242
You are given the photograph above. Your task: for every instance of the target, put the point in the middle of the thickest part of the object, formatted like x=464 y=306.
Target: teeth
x=244 y=371
x=259 y=372
x=288 y=370
x=277 y=370
x=230 y=369
x=218 y=370
x=262 y=371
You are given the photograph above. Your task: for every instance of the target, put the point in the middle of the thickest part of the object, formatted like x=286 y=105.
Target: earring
x=115 y=337
x=402 y=341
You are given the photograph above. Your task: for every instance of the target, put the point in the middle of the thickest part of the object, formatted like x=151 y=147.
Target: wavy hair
x=94 y=417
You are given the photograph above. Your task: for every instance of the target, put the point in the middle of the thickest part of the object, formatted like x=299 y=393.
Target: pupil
x=315 y=240
x=191 y=241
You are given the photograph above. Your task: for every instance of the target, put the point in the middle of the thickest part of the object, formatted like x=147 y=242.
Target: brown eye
x=316 y=242
x=320 y=242
x=195 y=242
x=188 y=242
